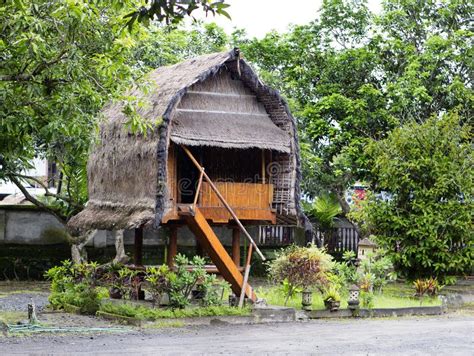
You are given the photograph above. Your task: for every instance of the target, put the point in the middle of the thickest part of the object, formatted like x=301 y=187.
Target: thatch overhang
x=127 y=173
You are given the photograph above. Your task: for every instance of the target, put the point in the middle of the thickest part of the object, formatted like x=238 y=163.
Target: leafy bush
x=428 y=286
x=345 y=273
x=426 y=225
x=301 y=267
x=141 y=312
x=75 y=285
x=212 y=290
x=331 y=294
x=179 y=285
x=367 y=299
x=158 y=282
x=375 y=271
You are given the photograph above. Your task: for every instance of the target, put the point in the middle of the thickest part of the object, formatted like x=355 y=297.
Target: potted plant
x=332 y=299
x=301 y=268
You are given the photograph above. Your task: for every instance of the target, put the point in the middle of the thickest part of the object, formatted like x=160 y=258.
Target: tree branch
x=48 y=192
x=35 y=201
x=39 y=68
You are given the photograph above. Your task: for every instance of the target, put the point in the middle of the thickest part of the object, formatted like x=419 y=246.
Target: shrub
x=158 y=282
x=367 y=299
x=331 y=294
x=212 y=290
x=301 y=267
x=426 y=224
x=428 y=286
x=188 y=274
x=375 y=271
x=74 y=284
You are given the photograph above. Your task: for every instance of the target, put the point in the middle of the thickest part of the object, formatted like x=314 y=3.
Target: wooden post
x=236 y=246
x=246 y=277
x=199 y=249
x=138 y=253
x=172 y=246
x=264 y=168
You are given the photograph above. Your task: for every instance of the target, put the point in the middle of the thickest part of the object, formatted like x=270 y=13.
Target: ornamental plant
x=157 y=281
x=182 y=282
x=301 y=267
x=76 y=285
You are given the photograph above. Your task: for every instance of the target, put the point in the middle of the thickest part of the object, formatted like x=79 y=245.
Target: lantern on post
x=353 y=302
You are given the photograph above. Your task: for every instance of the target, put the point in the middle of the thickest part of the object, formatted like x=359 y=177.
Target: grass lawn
x=149 y=313
x=392 y=297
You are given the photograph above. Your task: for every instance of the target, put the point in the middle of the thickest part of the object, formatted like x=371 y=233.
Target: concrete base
x=376 y=313
x=272 y=314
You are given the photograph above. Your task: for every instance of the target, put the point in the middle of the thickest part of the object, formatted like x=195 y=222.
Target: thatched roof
x=234 y=131
x=127 y=173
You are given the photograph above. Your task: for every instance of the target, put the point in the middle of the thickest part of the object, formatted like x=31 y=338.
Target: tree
x=352 y=77
x=61 y=61
x=426 y=226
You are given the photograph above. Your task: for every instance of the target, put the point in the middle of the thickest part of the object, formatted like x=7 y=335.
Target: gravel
x=20 y=301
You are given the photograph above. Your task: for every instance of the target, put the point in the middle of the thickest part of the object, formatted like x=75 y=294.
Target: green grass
x=145 y=313
x=12 y=317
x=391 y=298
x=164 y=325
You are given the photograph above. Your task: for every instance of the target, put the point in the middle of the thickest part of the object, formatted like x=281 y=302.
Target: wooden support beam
x=172 y=246
x=246 y=278
x=138 y=252
x=236 y=246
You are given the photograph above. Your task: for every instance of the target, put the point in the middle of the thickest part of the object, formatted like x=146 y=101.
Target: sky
x=258 y=17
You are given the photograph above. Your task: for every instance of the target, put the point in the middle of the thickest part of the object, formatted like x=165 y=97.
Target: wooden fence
x=339 y=239
x=336 y=240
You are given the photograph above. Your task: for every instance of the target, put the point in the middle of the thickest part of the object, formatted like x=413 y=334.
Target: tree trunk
x=78 y=251
x=120 y=256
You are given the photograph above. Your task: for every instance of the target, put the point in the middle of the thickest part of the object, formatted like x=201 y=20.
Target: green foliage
x=158 y=282
x=373 y=273
x=185 y=279
x=376 y=271
x=331 y=294
x=352 y=77
x=62 y=61
x=212 y=290
x=426 y=225
x=172 y=12
x=75 y=285
x=428 y=286
x=141 y=312
x=325 y=208
x=289 y=290
x=367 y=299
x=300 y=267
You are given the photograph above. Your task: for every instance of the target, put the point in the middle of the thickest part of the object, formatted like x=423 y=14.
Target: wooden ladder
x=210 y=242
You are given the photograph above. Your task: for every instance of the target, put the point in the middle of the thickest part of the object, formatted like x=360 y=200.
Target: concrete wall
x=28 y=226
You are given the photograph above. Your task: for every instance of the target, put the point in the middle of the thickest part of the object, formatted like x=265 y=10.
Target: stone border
x=275 y=314
x=377 y=313
x=259 y=315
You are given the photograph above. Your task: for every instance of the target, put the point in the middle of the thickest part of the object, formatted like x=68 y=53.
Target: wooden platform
x=250 y=201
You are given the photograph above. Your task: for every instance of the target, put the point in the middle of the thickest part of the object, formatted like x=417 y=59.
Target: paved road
x=451 y=335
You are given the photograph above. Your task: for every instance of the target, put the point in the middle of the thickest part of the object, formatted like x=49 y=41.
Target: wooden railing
x=252 y=244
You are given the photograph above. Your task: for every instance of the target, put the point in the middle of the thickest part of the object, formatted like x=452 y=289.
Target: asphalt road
x=447 y=335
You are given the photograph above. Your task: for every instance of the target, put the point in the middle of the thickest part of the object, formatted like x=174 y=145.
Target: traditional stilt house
x=223 y=150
